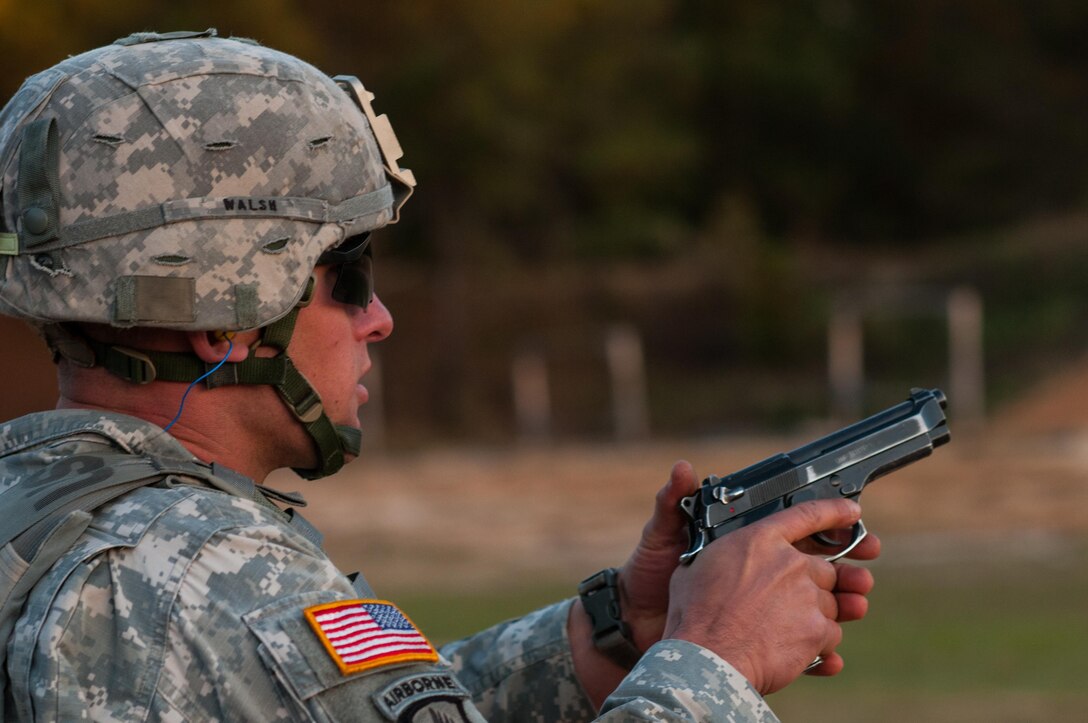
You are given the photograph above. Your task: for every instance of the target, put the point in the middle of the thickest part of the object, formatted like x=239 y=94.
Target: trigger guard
x=860 y=534
x=824 y=539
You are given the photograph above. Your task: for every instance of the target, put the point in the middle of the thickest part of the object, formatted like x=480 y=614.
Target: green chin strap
x=332 y=441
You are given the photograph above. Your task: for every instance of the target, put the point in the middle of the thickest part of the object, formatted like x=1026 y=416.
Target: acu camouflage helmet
x=184 y=181
x=190 y=182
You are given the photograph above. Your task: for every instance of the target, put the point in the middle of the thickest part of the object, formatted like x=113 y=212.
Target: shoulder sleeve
x=343 y=669
x=521 y=670
x=680 y=681
x=204 y=617
x=265 y=629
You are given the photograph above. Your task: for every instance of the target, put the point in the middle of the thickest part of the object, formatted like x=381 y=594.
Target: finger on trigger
x=800 y=521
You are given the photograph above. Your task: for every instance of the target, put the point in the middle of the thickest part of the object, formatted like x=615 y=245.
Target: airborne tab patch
x=440 y=694
x=364 y=634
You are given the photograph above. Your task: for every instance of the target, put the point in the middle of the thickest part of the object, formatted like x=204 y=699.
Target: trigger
x=859 y=534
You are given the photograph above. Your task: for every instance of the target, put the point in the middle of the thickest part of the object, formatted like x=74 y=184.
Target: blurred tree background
x=718 y=174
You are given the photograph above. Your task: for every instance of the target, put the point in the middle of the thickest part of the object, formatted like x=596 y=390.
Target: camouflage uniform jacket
x=185 y=602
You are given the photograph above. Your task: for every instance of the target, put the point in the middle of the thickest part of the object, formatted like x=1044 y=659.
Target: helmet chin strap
x=331 y=441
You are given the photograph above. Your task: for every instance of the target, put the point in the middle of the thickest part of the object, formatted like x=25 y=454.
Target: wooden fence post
x=966 y=375
x=532 y=396
x=623 y=349
x=845 y=363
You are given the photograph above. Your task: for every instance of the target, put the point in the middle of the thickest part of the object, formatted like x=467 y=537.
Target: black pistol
x=838 y=465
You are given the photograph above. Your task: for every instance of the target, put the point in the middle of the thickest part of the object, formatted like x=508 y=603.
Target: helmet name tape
x=249 y=204
x=196 y=209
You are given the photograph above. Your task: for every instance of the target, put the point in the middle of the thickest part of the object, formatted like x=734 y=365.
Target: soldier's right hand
x=759 y=602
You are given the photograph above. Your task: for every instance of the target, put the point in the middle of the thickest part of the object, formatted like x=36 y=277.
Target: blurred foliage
x=615 y=129
x=718 y=172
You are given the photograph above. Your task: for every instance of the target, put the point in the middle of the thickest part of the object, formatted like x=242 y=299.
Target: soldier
x=181 y=206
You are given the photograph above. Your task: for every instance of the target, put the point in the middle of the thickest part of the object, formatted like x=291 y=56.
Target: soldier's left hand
x=644 y=578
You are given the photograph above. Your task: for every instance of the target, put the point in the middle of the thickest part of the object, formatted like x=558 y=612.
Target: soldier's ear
x=212 y=346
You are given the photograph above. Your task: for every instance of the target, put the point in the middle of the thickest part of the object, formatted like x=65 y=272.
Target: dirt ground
x=466 y=519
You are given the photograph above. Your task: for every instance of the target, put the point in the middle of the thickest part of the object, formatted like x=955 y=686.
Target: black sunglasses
x=355 y=271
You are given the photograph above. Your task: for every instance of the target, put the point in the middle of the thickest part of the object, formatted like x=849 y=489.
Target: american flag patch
x=364 y=634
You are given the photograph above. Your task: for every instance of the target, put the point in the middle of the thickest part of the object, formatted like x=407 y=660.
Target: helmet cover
x=182 y=181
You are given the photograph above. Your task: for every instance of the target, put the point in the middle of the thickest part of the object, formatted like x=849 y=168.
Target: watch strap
x=611 y=635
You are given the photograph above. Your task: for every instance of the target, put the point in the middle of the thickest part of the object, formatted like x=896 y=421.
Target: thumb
x=668 y=521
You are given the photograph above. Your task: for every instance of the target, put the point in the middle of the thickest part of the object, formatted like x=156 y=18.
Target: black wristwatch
x=601 y=599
